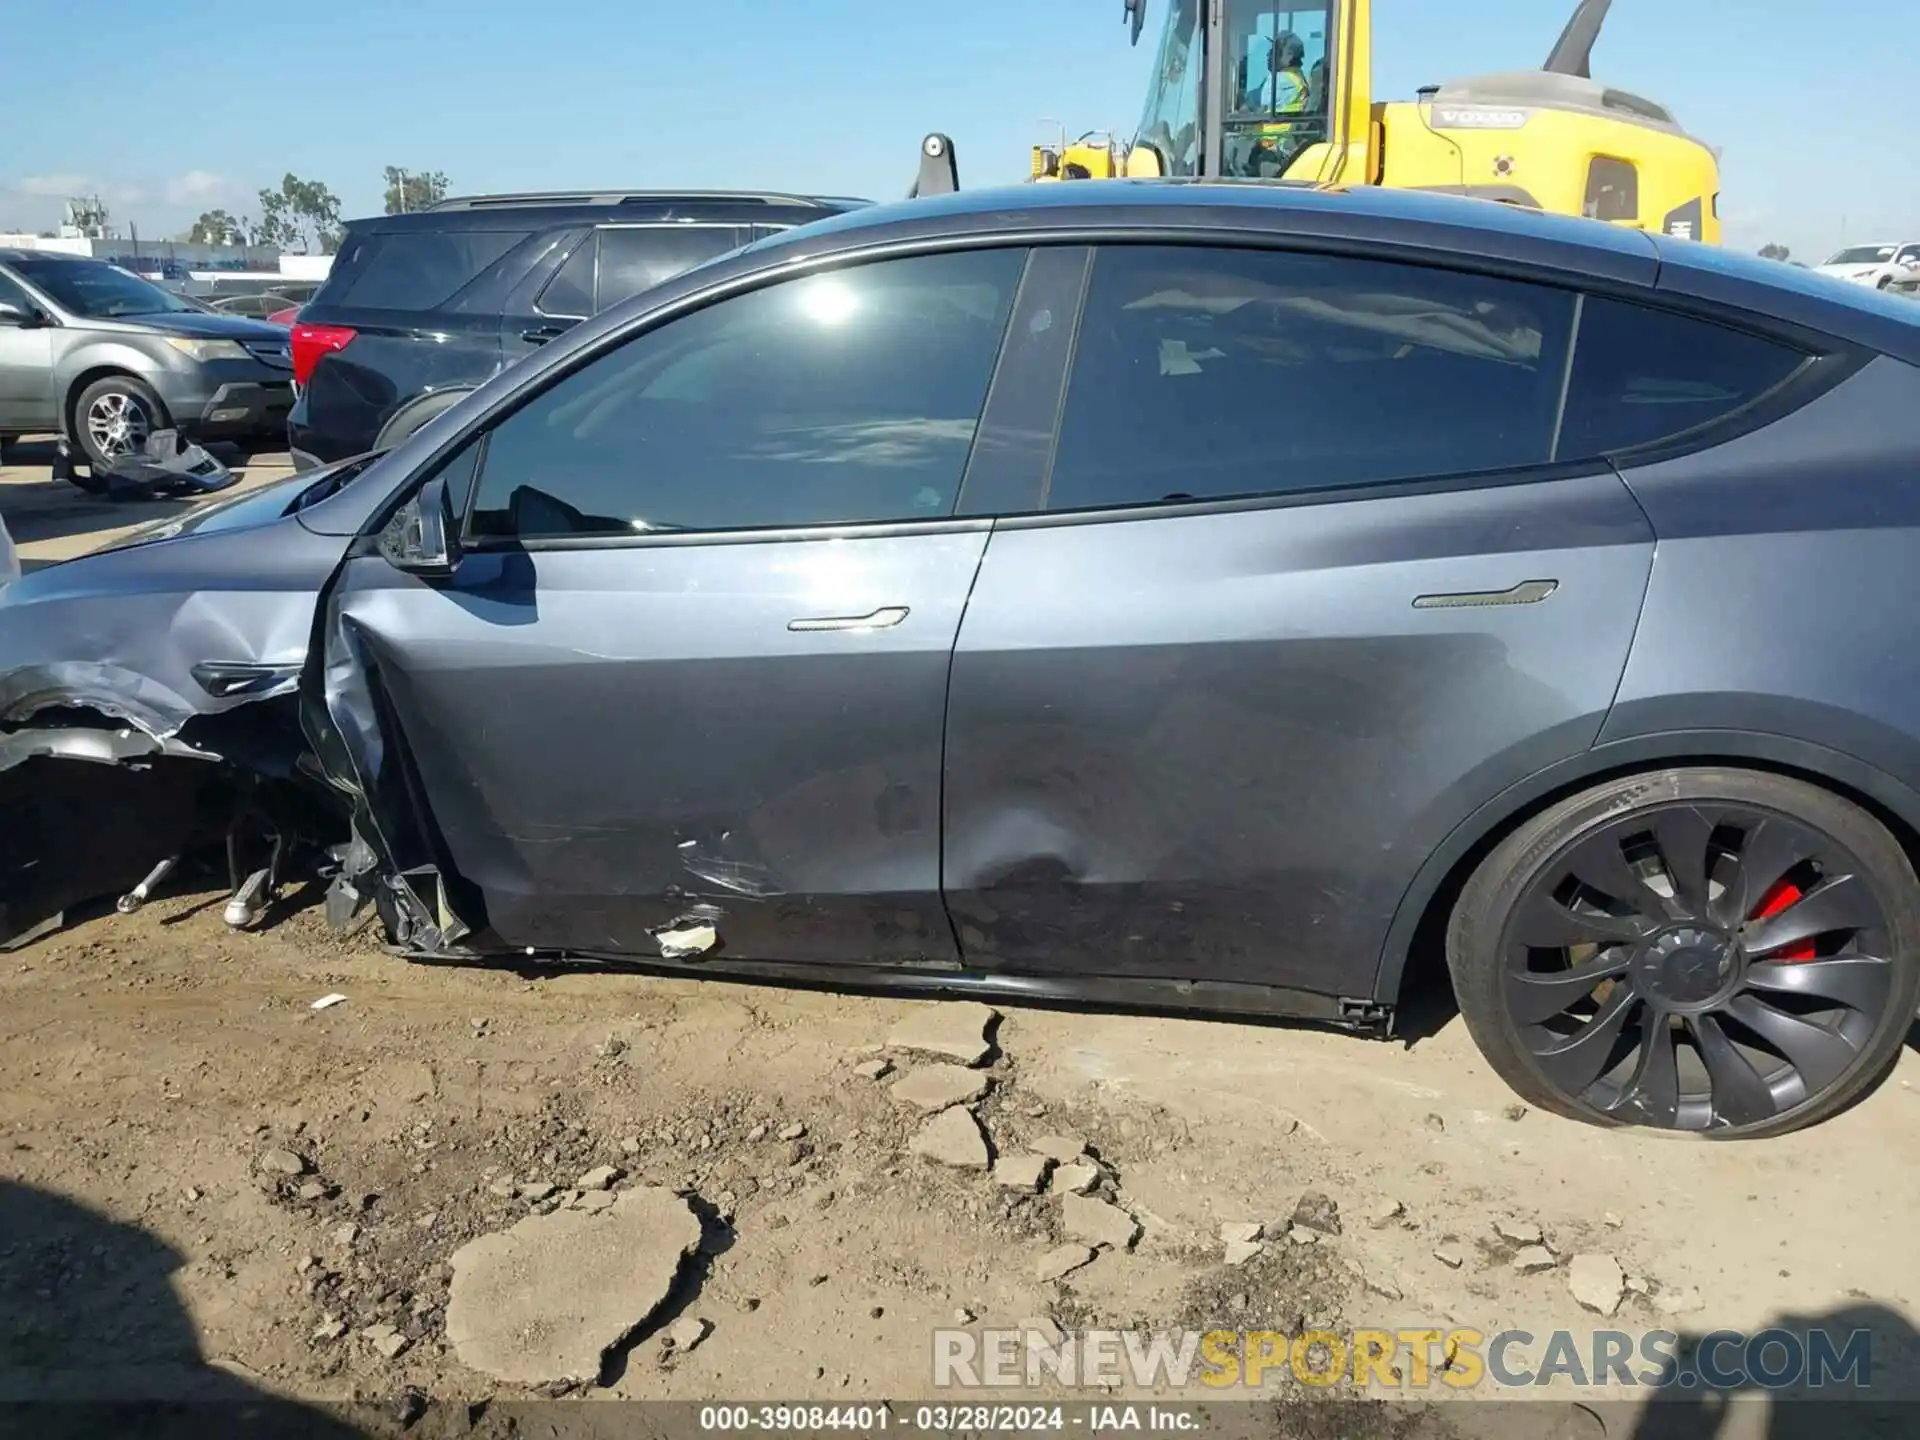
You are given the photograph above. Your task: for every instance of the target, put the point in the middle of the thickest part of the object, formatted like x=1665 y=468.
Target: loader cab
x=1256 y=90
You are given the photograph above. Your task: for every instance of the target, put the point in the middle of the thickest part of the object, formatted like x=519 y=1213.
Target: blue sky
x=168 y=107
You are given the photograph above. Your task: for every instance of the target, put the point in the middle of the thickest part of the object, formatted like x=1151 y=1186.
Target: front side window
x=1170 y=124
x=1642 y=376
x=91 y=290
x=1276 y=77
x=1206 y=373
x=12 y=294
x=839 y=398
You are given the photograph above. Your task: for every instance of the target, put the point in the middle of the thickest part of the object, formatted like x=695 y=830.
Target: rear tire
x=1727 y=952
x=113 y=417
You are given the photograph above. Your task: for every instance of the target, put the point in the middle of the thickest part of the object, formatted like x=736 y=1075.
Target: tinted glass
x=638 y=259
x=837 y=398
x=418 y=270
x=1613 y=189
x=570 y=292
x=1863 y=255
x=95 y=291
x=1643 y=375
x=1205 y=372
x=13 y=295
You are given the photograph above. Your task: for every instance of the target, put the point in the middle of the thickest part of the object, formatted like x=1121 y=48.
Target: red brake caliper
x=1783 y=894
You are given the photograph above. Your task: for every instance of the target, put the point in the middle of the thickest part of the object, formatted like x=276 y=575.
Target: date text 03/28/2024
x=945 y=1419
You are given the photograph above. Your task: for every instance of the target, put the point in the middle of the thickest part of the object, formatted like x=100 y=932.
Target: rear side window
x=632 y=260
x=830 y=399
x=1205 y=373
x=419 y=269
x=1641 y=376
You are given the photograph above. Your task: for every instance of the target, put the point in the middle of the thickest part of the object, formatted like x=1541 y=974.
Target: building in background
x=179 y=264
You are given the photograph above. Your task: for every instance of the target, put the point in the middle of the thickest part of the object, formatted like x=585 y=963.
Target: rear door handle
x=884 y=618
x=540 y=334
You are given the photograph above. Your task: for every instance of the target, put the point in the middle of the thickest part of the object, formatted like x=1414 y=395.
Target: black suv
x=421 y=308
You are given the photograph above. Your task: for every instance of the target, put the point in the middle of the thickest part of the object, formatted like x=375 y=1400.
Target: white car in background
x=1881 y=267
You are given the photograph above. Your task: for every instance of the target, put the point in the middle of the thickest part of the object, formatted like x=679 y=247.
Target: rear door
x=1306 y=587
x=693 y=664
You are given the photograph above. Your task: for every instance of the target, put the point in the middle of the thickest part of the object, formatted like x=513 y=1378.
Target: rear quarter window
x=415 y=269
x=1643 y=376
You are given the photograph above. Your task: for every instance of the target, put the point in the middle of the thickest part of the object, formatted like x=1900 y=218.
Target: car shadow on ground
x=94 y=1340
x=1881 y=1398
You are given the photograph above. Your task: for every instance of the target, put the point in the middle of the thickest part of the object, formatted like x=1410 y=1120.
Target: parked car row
x=432 y=303
x=1234 y=597
x=419 y=309
x=106 y=358
x=1878 y=267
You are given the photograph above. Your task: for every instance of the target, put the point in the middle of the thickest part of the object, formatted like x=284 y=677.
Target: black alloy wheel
x=1732 y=954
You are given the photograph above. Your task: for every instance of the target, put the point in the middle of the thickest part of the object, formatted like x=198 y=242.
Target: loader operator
x=1283 y=92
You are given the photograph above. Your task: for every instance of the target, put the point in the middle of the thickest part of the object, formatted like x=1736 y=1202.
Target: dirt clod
x=952 y=1137
x=957 y=1029
x=936 y=1087
x=1596 y=1282
x=546 y=1299
x=1062 y=1260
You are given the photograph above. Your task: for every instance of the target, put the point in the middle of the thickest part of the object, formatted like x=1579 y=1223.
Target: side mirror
x=19 y=317
x=422 y=538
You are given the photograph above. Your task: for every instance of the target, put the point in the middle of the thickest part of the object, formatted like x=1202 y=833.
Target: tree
x=217 y=227
x=414 y=189
x=303 y=213
x=1775 y=252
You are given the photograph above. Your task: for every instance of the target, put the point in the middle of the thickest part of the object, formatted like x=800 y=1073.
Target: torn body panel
x=146 y=711
x=608 y=744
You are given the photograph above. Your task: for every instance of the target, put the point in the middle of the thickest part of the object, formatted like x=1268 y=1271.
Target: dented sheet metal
x=121 y=632
x=102 y=747
x=575 y=750
x=145 y=707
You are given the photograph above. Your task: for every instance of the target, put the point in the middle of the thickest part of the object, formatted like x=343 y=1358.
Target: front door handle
x=1527 y=592
x=884 y=618
x=540 y=334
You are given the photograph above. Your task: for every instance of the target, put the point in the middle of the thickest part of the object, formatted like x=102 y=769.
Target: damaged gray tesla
x=1212 y=597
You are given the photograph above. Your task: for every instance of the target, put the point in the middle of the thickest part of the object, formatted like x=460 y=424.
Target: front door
x=1305 y=591
x=693 y=664
x=26 y=366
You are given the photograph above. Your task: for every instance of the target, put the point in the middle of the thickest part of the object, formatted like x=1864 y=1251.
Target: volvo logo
x=1460 y=117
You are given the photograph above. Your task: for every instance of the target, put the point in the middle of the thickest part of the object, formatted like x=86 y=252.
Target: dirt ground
x=201 y=1175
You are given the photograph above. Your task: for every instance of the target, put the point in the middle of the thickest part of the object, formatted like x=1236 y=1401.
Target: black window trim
x=592 y=237
x=1834 y=359
x=482 y=429
x=1828 y=362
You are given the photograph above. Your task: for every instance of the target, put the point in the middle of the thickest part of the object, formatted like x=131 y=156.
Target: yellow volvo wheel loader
x=1283 y=89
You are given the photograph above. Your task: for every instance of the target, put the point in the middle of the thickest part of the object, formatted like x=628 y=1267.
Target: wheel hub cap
x=1688 y=967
